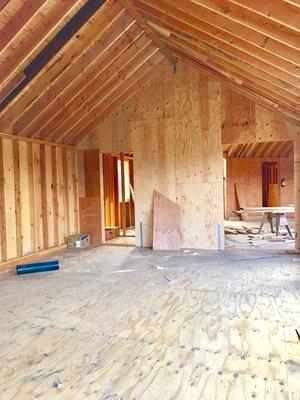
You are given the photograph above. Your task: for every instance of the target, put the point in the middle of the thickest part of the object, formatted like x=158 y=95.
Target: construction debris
x=243 y=230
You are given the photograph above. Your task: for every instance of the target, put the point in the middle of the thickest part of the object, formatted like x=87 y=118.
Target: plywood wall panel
x=173 y=128
x=202 y=221
x=199 y=162
x=153 y=146
x=270 y=127
x=32 y=201
x=244 y=121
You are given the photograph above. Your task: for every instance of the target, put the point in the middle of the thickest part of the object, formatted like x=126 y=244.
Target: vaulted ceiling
x=259 y=150
x=65 y=65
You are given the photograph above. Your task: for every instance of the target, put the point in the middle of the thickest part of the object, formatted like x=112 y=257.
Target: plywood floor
x=121 y=323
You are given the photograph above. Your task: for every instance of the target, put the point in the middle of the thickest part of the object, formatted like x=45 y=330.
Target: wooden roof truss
x=260 y=150
x=66 y=65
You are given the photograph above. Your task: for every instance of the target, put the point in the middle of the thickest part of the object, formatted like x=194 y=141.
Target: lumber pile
x=233 y=230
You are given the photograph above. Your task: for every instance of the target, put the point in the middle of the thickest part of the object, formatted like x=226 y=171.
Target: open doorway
x=119 y=211
x=270 y=185
x=259 y=196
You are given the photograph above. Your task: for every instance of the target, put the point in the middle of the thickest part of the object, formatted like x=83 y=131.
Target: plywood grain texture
x=32 y=208
x=154 y=156
x=166 y=223
x=244 y=121
x=200 y=327
x=173 y=128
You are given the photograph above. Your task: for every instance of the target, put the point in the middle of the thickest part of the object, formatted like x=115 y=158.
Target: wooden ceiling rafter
x=113 y=91
x=84 y=105
x=247 y=16
x=132 y=40
x=225 y=24
x=136 y=15
x=193 y=38
x=74 y=109
x=209 y=33
x=3 y=4
x=120 y=99
x=251 y=150
x=260 y=149
x=62 y=60
x=25 y=50
x=250 y=47
x=84 y=69
x=282 y=12
x=249 y=90
x=290 y=150
x=270 y=150
x=241 y=70
x=220 y=46
x=18 y=21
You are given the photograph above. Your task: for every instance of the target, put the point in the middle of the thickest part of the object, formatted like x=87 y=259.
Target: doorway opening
x=119 y=210
x=259 y=196
x=270 y=185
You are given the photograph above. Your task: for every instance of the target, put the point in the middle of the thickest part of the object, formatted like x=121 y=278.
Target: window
x=127 y=180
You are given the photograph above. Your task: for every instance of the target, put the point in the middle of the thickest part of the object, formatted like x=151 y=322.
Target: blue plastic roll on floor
x=37 y=267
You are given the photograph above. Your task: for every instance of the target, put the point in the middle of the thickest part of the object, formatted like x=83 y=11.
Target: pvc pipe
x=37 y=267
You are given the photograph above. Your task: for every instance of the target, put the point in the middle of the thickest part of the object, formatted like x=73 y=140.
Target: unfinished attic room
x=149 y=200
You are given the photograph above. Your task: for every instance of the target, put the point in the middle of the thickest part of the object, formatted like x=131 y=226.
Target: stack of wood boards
x=233 y=230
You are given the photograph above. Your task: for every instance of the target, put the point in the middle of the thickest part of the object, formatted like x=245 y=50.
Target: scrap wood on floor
x=242 y=230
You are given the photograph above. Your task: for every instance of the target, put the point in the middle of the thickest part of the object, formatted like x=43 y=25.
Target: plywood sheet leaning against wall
x=38 y=197
x=166 y=223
